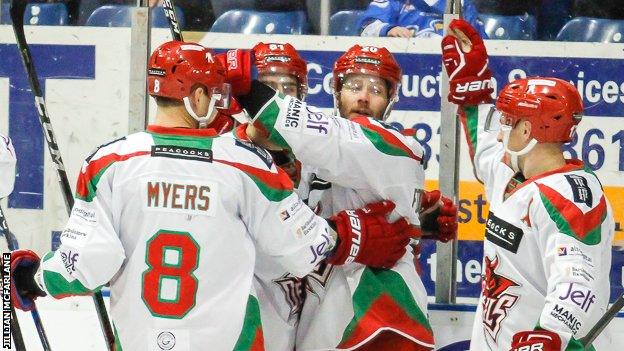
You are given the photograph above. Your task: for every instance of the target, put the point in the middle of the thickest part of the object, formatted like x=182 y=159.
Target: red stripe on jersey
x=278 y=181
x=385 y=313
x=581 y=223
x=386 y=135
x=95 y=166
x=192 y=132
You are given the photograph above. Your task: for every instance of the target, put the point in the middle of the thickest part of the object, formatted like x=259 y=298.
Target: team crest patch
x=497 y=300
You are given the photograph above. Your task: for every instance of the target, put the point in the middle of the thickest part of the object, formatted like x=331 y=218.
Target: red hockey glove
x=466 y=62
x=438 y=216
x=366 y=237
x=24 y=289
x=240 y=69
x=542 y=340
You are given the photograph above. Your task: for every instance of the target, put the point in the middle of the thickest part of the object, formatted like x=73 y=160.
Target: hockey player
x=7 y=166
x=356 y=303
x=171 y=218
x=548 y=237
x=410 y=18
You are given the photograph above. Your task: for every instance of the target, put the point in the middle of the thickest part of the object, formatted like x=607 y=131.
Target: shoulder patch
x=580 y=189
x=263 y=154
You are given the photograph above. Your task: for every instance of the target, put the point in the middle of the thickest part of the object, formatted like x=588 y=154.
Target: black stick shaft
x=17 y=16
x=602 y=322
x=174 y=25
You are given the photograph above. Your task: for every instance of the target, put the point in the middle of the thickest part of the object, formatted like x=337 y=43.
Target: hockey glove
x=240 y=69
x=438 y=217
x=24 y=288
x=466 y=62
x=366 y=237
x=542 y=340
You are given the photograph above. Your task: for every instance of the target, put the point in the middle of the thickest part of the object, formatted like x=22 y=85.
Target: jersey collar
x=192 y=132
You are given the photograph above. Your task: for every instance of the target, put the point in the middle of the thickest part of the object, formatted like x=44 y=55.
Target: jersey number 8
x=169 y=286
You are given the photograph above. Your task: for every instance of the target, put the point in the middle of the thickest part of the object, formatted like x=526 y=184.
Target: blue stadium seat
x=121 y=16
x=593 y=30
x=256 y=22
x=42 y=14
x=5 y=15
x=345 y=23
x=509 y=27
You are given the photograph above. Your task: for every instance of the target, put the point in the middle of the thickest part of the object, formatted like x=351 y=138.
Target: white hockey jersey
x=7 y=166
x=172 y=217
x=365 y=161
x=547 y=248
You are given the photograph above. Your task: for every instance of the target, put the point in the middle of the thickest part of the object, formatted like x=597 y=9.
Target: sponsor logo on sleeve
x=317 y=123
x=320 y=250
x=502 y=233
x=69 y=260
x=579 y=272
x=290 y=211
x=292 y=120
x=88 y=217
x=181 y=152
x=580 y=190
x=574 y=252
x=560 y=313
x=579 y=295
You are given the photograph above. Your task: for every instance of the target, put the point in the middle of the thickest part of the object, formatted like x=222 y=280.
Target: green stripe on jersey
x=198 y=142
x=59 y=287
x=251 y=335
x=472 y=124
x=380 y=144
x=267 y=117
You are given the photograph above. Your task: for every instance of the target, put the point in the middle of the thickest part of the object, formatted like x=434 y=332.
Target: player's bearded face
x=283 y=83
x=363 y=95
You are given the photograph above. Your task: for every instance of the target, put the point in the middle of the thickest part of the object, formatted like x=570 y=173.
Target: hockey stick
x=174 y=25
x=17 y=10
x=587 y=340
x=12 y=244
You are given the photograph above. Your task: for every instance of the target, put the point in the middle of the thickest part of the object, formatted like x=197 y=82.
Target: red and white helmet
x=282 y=59
x=176 y=67
x=553 y=106
x=371 y=60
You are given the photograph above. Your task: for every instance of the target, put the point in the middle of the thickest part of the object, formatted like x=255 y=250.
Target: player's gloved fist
x=438 y=216
x=366 y=237
x=466 y=62
x=542 y=340
x=24 y=289
x=239 y=68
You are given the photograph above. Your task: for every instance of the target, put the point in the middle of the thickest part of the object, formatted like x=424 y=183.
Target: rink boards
x=85 y=73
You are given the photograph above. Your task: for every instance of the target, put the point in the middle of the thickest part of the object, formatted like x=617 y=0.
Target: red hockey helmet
x=372 y=60
x=282 y=58
x=175 y=67
x=553 y=106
